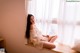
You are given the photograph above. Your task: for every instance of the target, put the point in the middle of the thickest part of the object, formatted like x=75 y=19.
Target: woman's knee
x=48 y=45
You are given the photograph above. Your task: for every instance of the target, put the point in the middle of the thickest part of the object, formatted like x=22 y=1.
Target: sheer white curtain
x=45 y=11
x=69 y=30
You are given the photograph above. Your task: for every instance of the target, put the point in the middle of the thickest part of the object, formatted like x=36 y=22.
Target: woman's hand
x=34 y=40
x=46 y=36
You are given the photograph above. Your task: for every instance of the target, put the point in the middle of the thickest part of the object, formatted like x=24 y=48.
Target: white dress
x=36 y=34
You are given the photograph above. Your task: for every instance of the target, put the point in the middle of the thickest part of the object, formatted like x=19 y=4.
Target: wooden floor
x=64 y=49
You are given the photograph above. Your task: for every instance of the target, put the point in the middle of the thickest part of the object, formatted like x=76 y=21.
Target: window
x=66 y=12
x=69 y=13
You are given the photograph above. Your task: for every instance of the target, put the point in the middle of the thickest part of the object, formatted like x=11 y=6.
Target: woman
x=35 y=37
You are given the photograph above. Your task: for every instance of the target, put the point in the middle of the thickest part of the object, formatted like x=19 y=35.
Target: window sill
x=45 y=49
x=60 y=48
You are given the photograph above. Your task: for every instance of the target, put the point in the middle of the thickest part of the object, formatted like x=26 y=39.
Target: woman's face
x=32 y=20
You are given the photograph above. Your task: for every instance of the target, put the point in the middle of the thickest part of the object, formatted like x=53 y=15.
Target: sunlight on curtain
x=70 y=16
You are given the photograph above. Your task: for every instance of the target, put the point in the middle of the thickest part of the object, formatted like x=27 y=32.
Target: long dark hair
x=28 y=26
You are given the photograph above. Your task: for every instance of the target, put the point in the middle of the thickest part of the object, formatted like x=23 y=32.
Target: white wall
x=13 y=27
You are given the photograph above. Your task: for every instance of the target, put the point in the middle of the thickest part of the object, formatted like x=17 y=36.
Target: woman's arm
x=52 y=39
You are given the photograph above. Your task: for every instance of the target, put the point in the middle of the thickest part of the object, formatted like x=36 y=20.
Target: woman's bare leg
x=48 y=45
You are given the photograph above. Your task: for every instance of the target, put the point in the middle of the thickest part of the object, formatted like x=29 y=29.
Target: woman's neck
x=32 y=26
